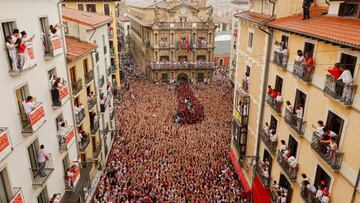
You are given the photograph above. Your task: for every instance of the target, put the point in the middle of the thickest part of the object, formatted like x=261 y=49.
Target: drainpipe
x=67 y=76
x=355 y=187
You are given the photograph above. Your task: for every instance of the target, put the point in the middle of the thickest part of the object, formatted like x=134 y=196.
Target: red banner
x=64 y=92
x=4 y=142
x=76 y=173
x=17 y=199
x=36 y=115
x=31 y=52
x=69 y=136
x=56 y=43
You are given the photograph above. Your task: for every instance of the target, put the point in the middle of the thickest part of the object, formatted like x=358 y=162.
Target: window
x=104 y=43
x=80 y=7
x=322 y=176
x=250 y=39
x=278 y=84
x=335 y=124
x=44 y=23
x=300 y=99
x=85 y=65
x=32 y=150
x=43 y=196
x=292 y=145
x=4 y=187
x=349 y=62
x=309 y=48
x=106 y=9
x=284 y=183
x=273 y=123
x=200 y=77
x=248 y=70
x=8 y=28
x=349 y=9
x=221 y=62
x=66 y=164
x=91 y=8
x=164 y=76
x=66 y=28
x=21 y=94
x=285 y=39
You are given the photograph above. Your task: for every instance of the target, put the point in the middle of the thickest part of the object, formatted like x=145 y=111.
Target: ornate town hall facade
x=173 y=39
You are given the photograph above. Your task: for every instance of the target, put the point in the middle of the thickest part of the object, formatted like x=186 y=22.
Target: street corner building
x=173 y=39
x=296 y=107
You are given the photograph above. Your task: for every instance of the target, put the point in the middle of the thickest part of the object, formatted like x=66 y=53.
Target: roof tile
x=76 y=48
x=86 y=18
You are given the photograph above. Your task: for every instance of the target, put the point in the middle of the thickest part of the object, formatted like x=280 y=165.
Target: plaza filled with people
x=154 y=159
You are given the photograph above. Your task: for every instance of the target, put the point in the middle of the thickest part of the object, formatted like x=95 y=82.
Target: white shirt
x=292 y=162
x=28 y=106
x=299 y=113
x=325 y=199
x=279 y=98
x=41 y=156
x=283 y=148
x=299 y=59
x=332 y=134
x=319 y=194
x=320 y=130
x=62 y=131
x=273 y=137
x=346 y=77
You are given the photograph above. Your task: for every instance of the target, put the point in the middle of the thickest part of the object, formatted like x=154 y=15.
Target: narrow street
x=157 y=160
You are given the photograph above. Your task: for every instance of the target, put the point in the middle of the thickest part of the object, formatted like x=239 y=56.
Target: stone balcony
x=346 y=94
x=333 y=158
x=182 y=66
x=36 y=119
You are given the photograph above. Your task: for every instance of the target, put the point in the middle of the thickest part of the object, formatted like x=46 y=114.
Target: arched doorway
x=221 y=62
x=182 y=77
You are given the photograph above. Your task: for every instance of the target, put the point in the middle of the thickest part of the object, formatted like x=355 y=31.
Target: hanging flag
x=187 y=45
x=191 y=44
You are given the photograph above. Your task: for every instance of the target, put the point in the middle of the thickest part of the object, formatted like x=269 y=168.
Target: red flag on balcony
x=180 y=45
x=187 y=45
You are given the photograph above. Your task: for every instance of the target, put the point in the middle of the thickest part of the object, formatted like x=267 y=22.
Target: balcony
x=178 y=65
x=183 y=25
x=270 y=145
x=36 y=119
x=303 y=71
x=95 y=127
x=290 y=172
x=80 y=116
x=108 y=71
x=307 y=195
x=104 y=105
x=110 y=33
x=101 y=81
x=296 y=124
x=40 y=175
x=245 y=85
x=113 y=68
x=265 y=178
x=73 y=193
x=77 y=87
x=5 y=143
x=106 y=130
x=275 y=198
x=59 y=97
x=280 y=60
x=17 y=195
x=164 y=44
x=16 y=68
x=73 y=180
x=277 y=106
x=111 y=50
x=52 y=47
x=202 y=45
x=342 y=93
x=333 y=158
x=84 y=144
x=91 y=104
x=97 y=151
x=89 y=77
x=69 y=138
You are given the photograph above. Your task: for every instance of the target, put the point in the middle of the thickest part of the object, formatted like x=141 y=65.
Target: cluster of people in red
x=275 y=98
x=190 y=110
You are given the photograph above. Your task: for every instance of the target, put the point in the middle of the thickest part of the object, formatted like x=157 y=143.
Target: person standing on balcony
x=306 y=8
x=319 y=130
x=11 y=47
x=299 y=115
x=22 y=50
x=299 y=59
x=309 y=65
x=347 y=81
x=29 y=104
x=42 y=158
x=62 y=133
x=284 y=53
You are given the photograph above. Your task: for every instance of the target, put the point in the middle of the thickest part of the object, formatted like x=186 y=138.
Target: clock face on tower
x=183 y=11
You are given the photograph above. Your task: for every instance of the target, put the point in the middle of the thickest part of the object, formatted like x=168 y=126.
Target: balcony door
x=273 y=123
x=73 y=75
x=309 y=48
x=292 y=145
x=278 y=84
x=32 y=150
x=300 y=99
x=4 y=187
x=349 y=62
x=21 y=94
x=322 y=177
x=335 y=124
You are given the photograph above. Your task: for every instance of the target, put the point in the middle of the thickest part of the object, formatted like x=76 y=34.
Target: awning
x=239 y=171
x=259 y=192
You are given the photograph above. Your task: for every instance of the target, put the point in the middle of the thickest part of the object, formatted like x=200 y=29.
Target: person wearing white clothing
x=346 y=76
x=29 y=105
x=62 y=132
x=42 y=157
x=272 y=135
x=11 y=47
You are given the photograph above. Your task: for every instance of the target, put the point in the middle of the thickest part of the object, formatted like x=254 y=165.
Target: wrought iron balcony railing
x=89 y=77
x=270 y=144
x=84 y=144
x=290 y=171
x=40 y=173
x=80 y=116
x=303 y=71
x=77 y=87
x=265 y=180
x=336 y=89
x=95 y=127
x=276 y=105
x=295 y=123
x=333 y=158
x=280 y=59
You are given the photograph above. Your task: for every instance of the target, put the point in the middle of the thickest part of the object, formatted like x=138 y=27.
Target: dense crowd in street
x=155 y=159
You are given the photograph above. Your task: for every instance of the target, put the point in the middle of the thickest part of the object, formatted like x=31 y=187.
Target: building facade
x=35 y=111
x=90 y=75
x=173 y=39
x=108 y=8
x=304 y=124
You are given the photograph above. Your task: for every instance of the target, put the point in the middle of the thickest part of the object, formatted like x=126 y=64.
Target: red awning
x=239 y=171
x=259 y=192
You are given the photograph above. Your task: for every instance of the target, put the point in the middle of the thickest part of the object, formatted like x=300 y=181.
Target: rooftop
x=86 y=18
x=337 y=30
x=222 y=43
x=76 y=48
x=253 y=17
